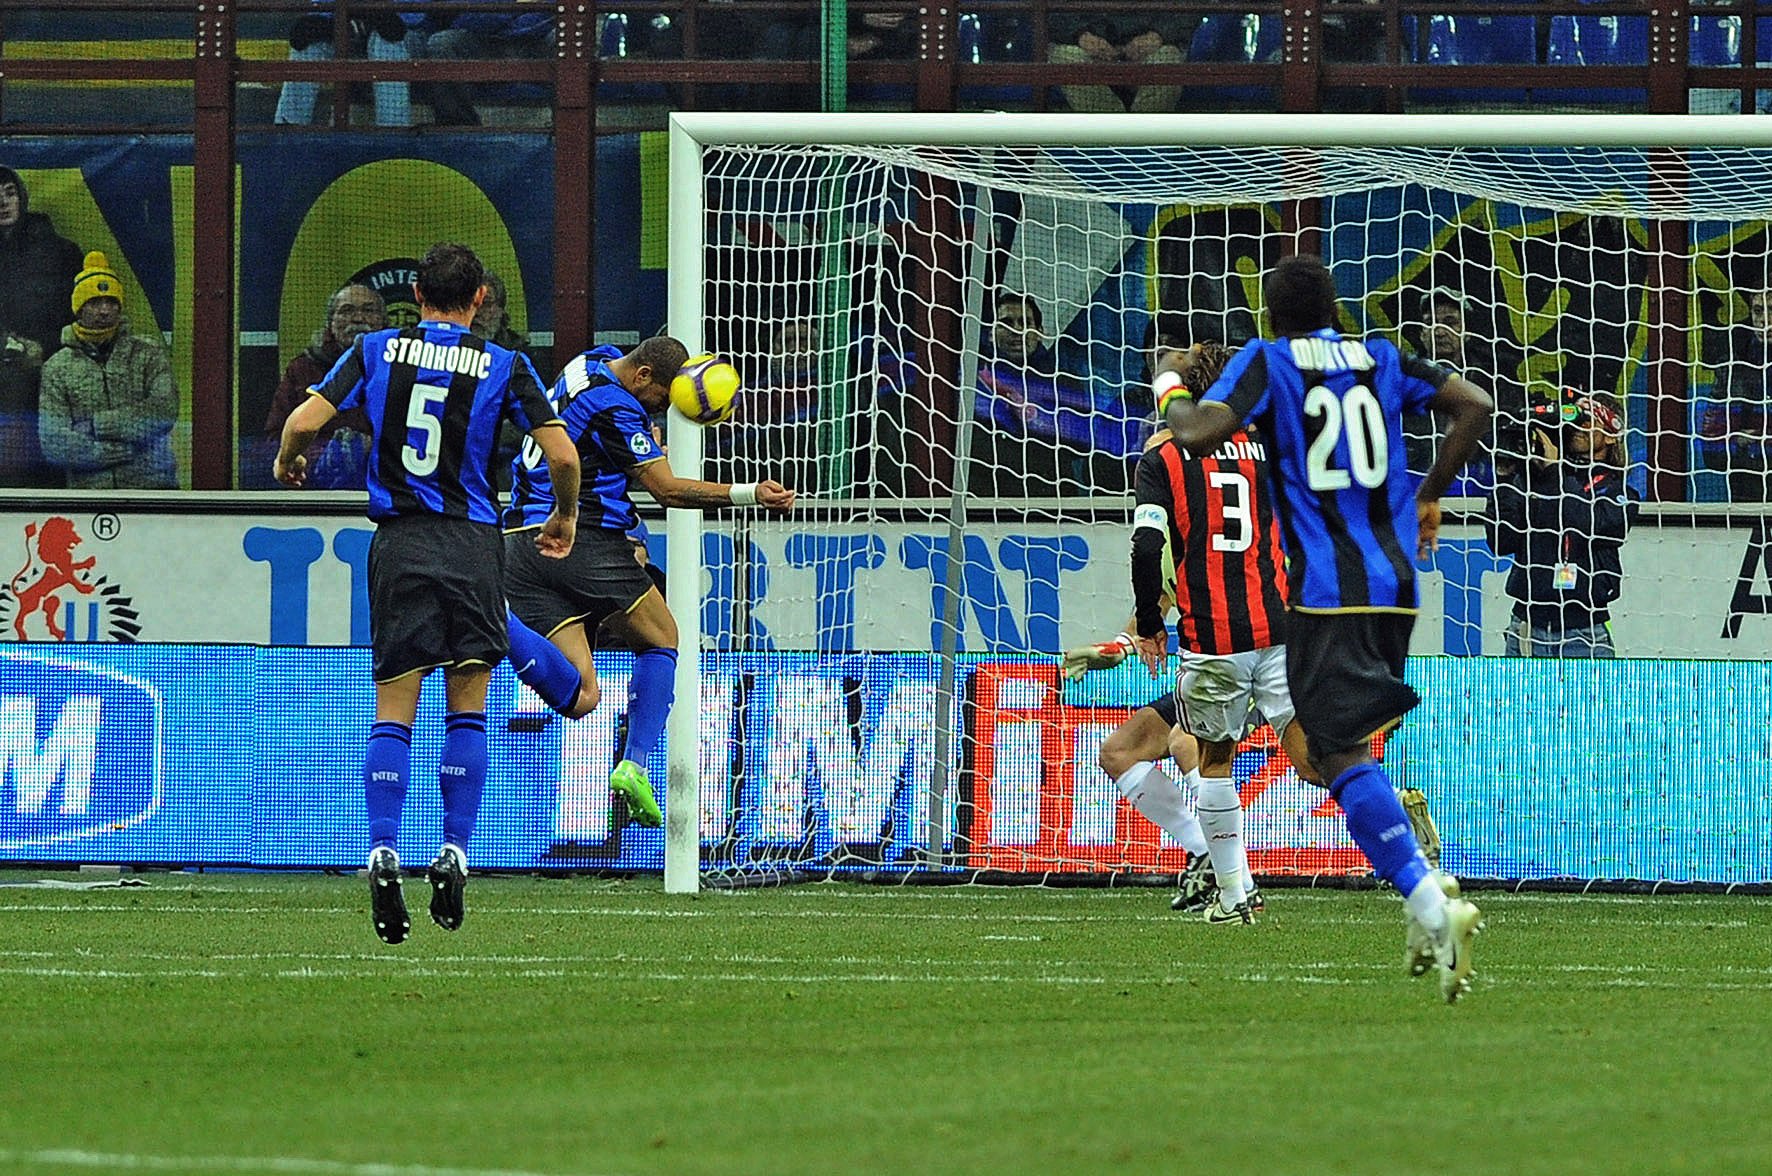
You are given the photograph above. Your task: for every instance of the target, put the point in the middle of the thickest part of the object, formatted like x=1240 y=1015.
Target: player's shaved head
x=663 y=354
x=449 y=276
x=1300 y=296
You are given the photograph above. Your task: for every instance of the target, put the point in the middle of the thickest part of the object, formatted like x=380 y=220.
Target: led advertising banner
x=247 y=756
x=830 y=587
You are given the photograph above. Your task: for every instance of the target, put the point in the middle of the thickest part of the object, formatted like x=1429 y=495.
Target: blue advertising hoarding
x=249 y=756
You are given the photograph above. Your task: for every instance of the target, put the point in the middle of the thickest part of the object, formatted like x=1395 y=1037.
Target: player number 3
x=1368 y=445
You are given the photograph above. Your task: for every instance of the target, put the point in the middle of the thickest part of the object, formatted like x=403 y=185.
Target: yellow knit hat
x=96 y=280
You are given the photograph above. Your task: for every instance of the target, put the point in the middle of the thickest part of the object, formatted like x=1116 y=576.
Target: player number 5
x=1368 y=445
x=421 y=460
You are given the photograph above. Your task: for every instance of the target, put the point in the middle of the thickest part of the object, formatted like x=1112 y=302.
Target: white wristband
x=743 y=494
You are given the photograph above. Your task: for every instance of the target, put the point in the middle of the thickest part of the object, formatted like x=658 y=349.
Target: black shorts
x=1346 y=675
x=1165 y=707
x=436 y=595
x=600 y=577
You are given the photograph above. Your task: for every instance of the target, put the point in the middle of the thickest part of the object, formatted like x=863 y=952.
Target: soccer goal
x=945 y=324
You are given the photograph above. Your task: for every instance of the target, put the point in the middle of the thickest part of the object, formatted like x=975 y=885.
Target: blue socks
x=1379 y=826
x=650 y=692
x=541 y=666
x=387 y=762
x=462 y=774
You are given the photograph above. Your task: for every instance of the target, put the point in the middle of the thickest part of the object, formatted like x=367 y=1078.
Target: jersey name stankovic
x=463 y=361
x=1313 y=353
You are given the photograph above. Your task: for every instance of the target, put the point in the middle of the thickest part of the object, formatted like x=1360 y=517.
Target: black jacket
x=37 y=271
x=1544 y=515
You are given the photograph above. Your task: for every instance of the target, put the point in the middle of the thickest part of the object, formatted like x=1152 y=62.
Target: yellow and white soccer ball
x=705 y=389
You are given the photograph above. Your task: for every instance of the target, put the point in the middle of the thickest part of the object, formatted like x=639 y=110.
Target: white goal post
x=1628 y=170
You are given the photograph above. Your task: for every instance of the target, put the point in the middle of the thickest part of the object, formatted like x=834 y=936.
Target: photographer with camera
x=1561 y=510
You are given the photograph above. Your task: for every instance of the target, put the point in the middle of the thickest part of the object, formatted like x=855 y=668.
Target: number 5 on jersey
x=421 y=460
x=1368 y=444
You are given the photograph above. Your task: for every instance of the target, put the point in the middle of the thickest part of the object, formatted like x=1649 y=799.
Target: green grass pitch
x=253 y=1024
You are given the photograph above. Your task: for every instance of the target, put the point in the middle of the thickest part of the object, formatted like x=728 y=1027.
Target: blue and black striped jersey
x=1332 y=412
x=435 y=394
x=613 y=433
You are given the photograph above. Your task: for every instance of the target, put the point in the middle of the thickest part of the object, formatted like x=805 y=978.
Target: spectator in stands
x=108 y=400
x=479 y=36
x=1439 y=330
x=1138 y=37
x=1735 y=430
x=381 y=36
x=1041 y=430
x=1562 y=514
x=340 y=451
x=492 y=322
x=37 y=266
x=797 y=36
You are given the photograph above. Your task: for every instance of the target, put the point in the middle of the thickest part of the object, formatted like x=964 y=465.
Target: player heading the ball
x=606 y=399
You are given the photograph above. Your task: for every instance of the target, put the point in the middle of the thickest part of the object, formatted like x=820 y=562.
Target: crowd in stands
x=84 y=403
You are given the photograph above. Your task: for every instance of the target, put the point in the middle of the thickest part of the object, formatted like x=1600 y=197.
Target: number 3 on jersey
x=421 y=460
x=1233 y=496
x=1368 y=444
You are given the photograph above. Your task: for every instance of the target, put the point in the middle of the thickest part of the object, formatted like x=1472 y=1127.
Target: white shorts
x=1218 y=696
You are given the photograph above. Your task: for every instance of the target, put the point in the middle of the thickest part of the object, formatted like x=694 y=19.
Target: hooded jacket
x=106 y=414
x=37 y=269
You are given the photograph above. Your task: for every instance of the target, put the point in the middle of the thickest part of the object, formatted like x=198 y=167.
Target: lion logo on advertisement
x=40 y=601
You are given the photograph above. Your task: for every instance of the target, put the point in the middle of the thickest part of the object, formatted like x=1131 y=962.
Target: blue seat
x=1716 y=40
x=1597 y=40
x=1243 y=38
x=1479 y=40
x=991 y=37
x=612 y=42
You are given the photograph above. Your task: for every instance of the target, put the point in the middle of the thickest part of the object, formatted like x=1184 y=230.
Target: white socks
x=1221 y=816
x=1164 y=803
x=1427 y=905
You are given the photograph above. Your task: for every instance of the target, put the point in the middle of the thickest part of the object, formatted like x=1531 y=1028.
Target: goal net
x=946 y=325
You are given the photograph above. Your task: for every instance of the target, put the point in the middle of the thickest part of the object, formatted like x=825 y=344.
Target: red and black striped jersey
x=1224 y=563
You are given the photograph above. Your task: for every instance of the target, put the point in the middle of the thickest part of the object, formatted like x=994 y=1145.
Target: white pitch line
x=289 y=1165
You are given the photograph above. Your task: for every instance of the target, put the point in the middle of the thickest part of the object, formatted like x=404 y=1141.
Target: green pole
x=834 y=65
x=834 y=270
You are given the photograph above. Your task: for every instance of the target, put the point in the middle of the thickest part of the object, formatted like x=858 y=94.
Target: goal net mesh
x=946 y=352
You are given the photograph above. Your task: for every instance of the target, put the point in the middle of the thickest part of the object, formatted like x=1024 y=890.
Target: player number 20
x=1368 y=445
x=421 y=460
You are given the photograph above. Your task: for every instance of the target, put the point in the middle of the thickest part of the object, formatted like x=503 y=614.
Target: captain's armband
x=1149 y=514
